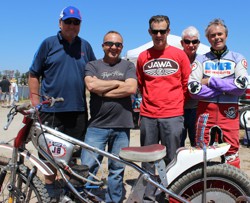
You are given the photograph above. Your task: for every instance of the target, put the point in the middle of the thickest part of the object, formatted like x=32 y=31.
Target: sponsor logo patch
x=244 y=63
x=161 y=67
x=220 y=69
x=194 y=65
x=231 y=112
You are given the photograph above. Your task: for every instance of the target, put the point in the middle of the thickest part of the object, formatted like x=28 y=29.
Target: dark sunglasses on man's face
x=155 y=32
x=69 y=22
x=186 y=41
x=110 y=44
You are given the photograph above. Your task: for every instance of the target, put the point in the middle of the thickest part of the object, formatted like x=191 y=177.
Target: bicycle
x=185 y=179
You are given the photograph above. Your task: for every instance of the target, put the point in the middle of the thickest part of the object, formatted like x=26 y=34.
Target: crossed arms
x=111 y=88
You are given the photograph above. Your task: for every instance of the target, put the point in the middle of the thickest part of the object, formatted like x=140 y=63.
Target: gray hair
x=190 y=31
x=216 y=21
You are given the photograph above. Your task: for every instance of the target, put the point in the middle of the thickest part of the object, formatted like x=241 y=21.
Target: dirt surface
x=130 y=176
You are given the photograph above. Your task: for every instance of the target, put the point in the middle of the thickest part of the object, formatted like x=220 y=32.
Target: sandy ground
x=130 y=175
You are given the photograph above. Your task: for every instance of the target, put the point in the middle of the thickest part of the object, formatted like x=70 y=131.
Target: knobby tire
x=224 y=183
x=38 y=192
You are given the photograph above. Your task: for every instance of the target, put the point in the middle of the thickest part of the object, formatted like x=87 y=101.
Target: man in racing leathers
x=217 y=79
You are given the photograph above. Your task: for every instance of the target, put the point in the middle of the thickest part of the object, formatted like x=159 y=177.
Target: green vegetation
x=22 y=79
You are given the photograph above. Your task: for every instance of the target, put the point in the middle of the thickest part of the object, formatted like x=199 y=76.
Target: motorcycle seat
x=148 y=153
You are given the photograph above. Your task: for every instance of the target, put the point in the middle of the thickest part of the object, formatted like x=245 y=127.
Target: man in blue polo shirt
x=60 y=64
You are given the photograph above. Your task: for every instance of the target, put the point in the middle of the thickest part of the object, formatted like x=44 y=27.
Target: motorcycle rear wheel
x=224 y=184
x=36 y=191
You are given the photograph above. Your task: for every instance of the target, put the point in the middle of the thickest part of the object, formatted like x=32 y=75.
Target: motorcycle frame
x=167 y=174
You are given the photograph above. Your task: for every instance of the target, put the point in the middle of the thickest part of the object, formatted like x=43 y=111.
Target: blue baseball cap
x=70 y=12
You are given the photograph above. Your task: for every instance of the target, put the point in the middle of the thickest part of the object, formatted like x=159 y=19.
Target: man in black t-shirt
x=111 y=82
x=5 y=91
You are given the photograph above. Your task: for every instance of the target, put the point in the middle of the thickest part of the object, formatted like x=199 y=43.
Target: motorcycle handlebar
x=27 y=105
x=54 y=100
x=24 y=106
x=27 y=109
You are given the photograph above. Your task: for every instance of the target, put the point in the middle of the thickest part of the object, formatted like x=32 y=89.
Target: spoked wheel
x=224 y=184
x=34 y=193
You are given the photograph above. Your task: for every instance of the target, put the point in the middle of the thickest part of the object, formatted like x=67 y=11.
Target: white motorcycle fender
x=188 y=157
x=33 y=159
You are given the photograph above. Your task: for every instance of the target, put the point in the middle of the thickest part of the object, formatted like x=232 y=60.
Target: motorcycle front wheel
x=224 y=184
x=35 y=192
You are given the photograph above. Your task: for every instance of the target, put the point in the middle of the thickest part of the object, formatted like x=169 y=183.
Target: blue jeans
x=115 y=139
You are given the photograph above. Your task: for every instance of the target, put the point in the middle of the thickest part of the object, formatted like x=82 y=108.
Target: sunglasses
x=162 y=32
x=110 y=44
x=69 y=22
x=186 y=41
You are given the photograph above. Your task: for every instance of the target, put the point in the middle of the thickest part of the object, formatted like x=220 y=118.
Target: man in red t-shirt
x=162 y=72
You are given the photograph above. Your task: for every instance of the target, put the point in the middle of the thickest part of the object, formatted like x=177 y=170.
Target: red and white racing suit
x=227 y=75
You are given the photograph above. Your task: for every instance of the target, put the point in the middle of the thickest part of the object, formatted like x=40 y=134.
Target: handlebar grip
x=54 y=100
x=24 y=106
x=59 y=99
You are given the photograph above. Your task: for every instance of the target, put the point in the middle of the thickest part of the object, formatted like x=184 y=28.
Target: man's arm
x=125 y=89
x=14 y=88
x=34 y=86
x=10 y=87
x=99 y=86
x=197 y=85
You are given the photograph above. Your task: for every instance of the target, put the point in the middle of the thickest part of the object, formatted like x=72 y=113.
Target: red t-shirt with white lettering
x=162 y=80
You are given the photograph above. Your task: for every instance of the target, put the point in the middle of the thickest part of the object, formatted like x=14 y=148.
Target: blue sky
x=26 y=23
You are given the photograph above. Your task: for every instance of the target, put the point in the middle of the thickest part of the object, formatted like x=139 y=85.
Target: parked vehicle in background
x=244 y=108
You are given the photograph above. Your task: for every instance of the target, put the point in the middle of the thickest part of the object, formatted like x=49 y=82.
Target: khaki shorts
x=5 y=96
